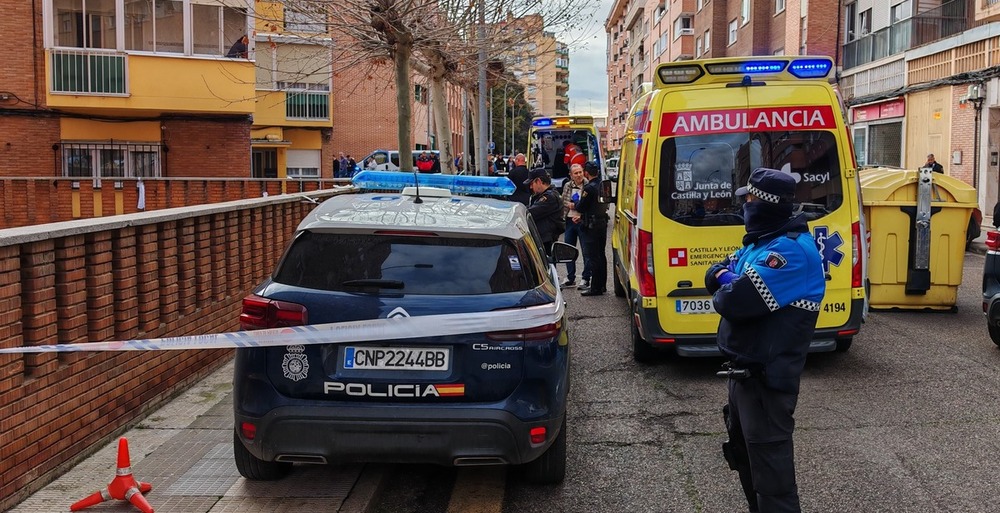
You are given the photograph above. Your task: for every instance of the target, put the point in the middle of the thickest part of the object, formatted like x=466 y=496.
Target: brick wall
x=207 y=147
x=146 y=275
x=963 y=132
x=22 y=61
x=822 y=36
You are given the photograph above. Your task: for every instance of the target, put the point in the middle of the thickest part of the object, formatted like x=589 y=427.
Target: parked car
x=991 y=285
x=473 y=398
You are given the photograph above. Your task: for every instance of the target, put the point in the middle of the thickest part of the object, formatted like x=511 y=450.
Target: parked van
x=690 y=143
x=546 y=139
x=388 y=160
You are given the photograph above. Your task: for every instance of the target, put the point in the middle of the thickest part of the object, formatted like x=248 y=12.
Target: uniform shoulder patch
x=775 y=261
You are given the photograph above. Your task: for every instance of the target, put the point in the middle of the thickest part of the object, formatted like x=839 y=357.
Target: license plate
x=695 y=306
x=397 y=358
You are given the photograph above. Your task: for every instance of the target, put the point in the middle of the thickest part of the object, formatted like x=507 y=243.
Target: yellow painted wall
x=270 y=17
x=172 y=84
x=271 y=111
x=262 y=133
x=91 y=130
x=304 y=139
x=928 y=126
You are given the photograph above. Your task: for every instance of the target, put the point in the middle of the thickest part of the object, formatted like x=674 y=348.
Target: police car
x=465 y=360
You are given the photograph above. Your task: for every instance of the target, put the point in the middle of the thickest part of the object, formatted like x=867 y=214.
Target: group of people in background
x=344 y=166
x=576 y=214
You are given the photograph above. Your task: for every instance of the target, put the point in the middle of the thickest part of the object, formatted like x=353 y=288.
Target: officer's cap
x=591 y=168
x=770 y=185
x=538 y=172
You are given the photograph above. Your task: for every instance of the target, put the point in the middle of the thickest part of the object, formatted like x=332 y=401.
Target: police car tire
x=994 y=333
x=642 y=352
x=550 y=467
x=256 y=469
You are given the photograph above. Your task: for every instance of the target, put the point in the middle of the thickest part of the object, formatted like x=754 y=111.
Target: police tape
x=400 y=327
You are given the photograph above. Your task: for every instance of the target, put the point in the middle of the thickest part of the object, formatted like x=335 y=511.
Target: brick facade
x=146 y=276
x=217 y=148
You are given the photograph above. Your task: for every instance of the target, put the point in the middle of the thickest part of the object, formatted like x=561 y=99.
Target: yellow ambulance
x=691 y=142
x=547 y=137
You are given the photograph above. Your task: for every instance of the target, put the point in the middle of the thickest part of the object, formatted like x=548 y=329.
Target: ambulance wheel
x=642 y=352
x=619 y=289
x=256 y=469
x=994 y=333
x=550 y=467
x=843 y=344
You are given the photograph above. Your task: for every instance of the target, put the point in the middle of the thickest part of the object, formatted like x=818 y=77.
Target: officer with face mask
x=769 y=294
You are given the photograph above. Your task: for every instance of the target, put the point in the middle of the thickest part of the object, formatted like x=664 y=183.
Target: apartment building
x=699 y=29
x=541 y=64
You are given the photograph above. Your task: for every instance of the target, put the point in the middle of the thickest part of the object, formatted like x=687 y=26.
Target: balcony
x=293 y=108
x=103 y=82
x=89 y=71
x=926 y=27
x=987 y=10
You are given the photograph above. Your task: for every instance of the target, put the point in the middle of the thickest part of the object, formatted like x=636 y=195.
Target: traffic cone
x=123 y=487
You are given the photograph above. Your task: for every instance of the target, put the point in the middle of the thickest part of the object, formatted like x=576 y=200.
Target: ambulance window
x=699 y=173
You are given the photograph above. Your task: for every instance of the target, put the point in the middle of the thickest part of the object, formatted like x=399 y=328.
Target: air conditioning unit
x=687 y=31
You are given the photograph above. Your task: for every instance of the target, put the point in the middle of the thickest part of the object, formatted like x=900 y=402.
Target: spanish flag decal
x=453 y=390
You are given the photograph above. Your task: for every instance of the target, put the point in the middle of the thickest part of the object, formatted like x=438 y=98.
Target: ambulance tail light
x=644 y=266
x=993 y=241
x=261 y=313
x=856 y=255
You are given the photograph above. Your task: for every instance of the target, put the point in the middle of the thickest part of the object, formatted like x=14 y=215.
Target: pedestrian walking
x=545 y=208
x=768 y=293
x=572 y=190
x=593 y=223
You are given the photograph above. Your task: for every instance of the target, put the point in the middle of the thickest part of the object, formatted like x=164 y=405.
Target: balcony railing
x=89 y=71
x=307 y=105
x=926 y=27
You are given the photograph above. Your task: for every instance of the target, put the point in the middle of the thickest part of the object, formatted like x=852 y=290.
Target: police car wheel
x=550 y=467
x=994 y=333
x=642 y=352
x=844 y=344
x=256 y=469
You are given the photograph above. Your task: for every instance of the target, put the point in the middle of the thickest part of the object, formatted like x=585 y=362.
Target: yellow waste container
x=917 y=231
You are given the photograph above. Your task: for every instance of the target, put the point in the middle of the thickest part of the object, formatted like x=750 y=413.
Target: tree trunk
x=404 y=104
x=476 y=149
x=442 y=123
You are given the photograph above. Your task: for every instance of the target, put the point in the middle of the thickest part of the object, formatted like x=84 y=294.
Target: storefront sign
x=890 y=109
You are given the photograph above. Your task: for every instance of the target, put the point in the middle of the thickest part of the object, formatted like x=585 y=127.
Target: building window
x=682 y=26
x=419 y=94
x=732 y=31
x=850 y=22
x=865 y=23
x=699 y=5
x=803 y=48
x=302 y=164
x=264 y=163
x=902 y=11
x=697 y=47
x=304 y=21
x=745 y=12
x=779 y=6
x=708 y=39
x=110 y=160
x=661 y=10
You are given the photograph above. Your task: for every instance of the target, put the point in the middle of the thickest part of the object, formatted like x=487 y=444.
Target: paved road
x=904 y=422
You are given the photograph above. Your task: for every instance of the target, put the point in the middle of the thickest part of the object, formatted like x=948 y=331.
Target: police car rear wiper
x=382 y=284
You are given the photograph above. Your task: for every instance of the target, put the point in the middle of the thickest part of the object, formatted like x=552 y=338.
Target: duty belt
x=738 y=373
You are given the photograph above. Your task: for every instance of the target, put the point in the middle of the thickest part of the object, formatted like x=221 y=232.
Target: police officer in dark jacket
x=768 y=294
x=545 y=207
x=593 y=230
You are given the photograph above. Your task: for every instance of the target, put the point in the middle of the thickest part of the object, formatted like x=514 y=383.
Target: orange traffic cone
x=123 y=487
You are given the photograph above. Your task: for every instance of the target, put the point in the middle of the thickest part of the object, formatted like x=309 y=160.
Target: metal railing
x=923 y=28
x=307 y=105
x=88 y=70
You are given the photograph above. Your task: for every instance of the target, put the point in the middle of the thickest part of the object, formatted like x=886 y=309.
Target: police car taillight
x=680 y=74
x=993 y=241
x=544 y=332
x=260 y=313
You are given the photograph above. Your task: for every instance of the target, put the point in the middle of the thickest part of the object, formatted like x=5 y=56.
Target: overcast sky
x=588 y=78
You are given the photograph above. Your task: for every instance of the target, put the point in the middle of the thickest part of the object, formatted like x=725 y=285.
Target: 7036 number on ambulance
x=691 y=141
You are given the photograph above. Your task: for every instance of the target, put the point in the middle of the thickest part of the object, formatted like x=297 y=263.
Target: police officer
x=768 y=294
x=593 y=230
x=545 y=207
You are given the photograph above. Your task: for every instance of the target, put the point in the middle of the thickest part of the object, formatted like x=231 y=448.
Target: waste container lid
x=890 y=186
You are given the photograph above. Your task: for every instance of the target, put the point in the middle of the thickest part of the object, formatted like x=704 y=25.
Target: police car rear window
x=699 y=173
x=365 y=263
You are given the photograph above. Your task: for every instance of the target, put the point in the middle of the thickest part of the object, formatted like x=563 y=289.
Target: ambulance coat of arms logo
x=295 y=365
x=683 y=181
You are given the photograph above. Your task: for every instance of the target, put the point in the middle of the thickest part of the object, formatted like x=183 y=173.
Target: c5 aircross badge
x=295 y=365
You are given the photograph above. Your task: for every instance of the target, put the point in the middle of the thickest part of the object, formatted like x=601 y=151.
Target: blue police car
x=463 y=353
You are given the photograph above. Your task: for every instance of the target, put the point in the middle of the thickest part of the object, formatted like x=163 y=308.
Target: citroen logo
x=397 y=312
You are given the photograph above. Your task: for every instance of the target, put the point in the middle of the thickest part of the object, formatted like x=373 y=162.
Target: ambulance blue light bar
x=457 y=184
x=543 y=122
x=746 y=68
x=810 y=68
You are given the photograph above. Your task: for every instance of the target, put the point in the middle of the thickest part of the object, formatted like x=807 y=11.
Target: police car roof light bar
x=457 y=184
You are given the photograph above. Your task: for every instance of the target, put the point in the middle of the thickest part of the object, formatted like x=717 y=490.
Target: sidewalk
x=185 y=450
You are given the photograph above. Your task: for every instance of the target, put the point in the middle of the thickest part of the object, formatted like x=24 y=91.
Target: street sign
x=492 y=146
